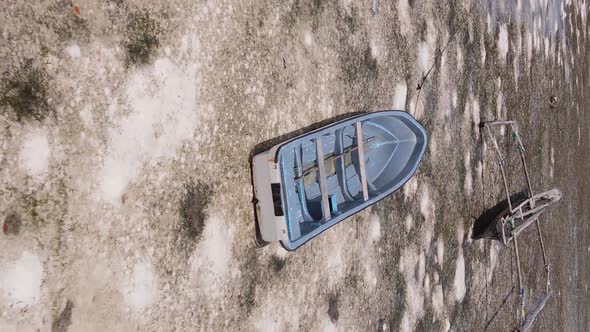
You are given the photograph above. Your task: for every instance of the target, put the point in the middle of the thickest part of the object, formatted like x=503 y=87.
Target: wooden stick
x=531 y=315
x=532 y=204
x=498 y=123
x=501 y=164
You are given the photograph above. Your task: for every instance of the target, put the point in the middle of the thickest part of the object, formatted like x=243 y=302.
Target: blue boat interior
x=338 y=171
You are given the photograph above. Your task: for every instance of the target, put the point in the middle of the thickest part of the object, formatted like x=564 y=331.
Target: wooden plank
x=323 y=182
x=361 y=154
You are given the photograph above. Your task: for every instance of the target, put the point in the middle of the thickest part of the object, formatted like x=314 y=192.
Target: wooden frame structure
x=516 y=219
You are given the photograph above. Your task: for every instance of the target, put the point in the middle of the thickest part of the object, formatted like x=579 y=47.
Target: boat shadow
x=263 y=146
x=484 y=226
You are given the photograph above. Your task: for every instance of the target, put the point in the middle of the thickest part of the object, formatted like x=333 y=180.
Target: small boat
x=307 y=184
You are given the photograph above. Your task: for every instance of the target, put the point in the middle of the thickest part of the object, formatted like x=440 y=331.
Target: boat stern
x=267 y=192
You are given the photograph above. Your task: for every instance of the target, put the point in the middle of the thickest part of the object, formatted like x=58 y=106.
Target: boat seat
x=341 y=166
x=361 y=170
x=370 y=185
x=300 y=186
x=326 y=213
x=359 y=164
